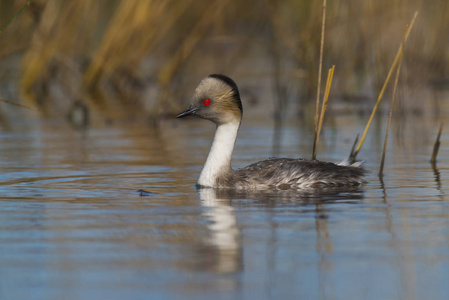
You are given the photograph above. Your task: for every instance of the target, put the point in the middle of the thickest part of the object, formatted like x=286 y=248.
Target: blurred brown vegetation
x=146 y=56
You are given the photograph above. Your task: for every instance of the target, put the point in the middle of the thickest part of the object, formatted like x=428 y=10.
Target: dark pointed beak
x=189 y=111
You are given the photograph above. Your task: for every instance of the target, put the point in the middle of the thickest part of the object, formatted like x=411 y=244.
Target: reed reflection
x=324 y=248
x=437 y=176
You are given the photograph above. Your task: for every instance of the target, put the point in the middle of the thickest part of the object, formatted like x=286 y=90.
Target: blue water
x=72 y=225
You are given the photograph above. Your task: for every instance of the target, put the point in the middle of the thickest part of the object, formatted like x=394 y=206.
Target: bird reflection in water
x=224 y=235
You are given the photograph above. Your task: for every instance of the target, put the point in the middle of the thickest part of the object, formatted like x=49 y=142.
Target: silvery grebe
x=217 y=99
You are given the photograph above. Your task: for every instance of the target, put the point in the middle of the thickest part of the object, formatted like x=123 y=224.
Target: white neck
x=219 y=158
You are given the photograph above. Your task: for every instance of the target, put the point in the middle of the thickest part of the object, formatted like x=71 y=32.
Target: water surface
x=72 y=225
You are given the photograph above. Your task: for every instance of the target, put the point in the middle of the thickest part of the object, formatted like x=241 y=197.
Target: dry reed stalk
x=50 y=40
x=164 y=24
x=124 y=31
x=436 y=146
x=191 y=40
x=141 y=42
x=323 y=25
x=289 y=37
x=136 y=27
x=330 y=75
x=393 y=66
x=390 y=112
x=17 y=104
x=168 y=71
x=15 y=16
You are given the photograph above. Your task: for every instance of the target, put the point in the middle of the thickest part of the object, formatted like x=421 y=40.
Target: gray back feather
x=286 y=173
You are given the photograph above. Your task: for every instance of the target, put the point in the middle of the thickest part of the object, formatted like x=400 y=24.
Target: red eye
x=206 y=102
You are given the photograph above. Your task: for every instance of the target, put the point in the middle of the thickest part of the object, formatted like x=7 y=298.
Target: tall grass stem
x=330 y=75
x=390 y=112
x=323 y=26
x=16 y=15
x=379 y=98
x=17 y=104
